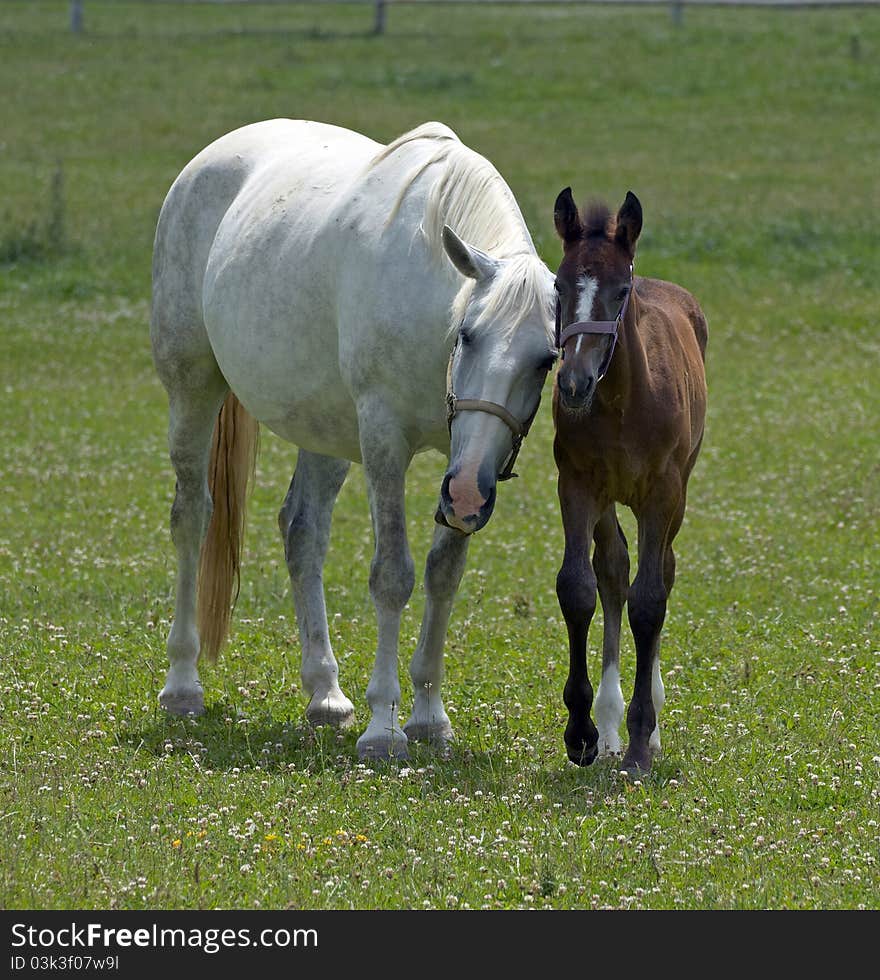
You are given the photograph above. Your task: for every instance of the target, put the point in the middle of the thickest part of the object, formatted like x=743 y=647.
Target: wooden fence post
x=76 y=16
x=379 y=26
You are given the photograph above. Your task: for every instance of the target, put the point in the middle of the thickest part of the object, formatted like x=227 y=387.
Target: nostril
x=444 y=487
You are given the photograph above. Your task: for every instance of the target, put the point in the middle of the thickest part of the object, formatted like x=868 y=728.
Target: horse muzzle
x=466 y=504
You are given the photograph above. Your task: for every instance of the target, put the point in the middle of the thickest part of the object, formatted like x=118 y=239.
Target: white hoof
x=609 y=745
x=391 y=745
x=331 y=708
x=438 y=734
x=185 y=701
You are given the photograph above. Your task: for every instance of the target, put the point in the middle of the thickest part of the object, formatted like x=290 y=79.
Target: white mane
x=472 y=198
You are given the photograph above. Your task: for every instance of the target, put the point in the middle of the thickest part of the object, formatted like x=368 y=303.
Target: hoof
x=582 y=755
x=637 y=763
x=388 y=748
x=581 y=741
x=182 y=703
x=439 y=736
x=610 y=748
x=335 y=712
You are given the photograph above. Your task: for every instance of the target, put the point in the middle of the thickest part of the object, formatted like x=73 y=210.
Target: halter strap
x=611 y=327
x=479 y=405
x=519 y=429
x=588 y=326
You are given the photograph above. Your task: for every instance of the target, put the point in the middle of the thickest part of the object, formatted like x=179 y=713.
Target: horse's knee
x=647 y=610
x=443 y=570
x=392 y=580
x=576 y=592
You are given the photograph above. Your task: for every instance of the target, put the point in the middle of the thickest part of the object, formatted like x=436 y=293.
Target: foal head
x=593 y=284
x=502 y=355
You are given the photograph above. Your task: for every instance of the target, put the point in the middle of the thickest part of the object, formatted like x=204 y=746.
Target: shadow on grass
x=223 y=740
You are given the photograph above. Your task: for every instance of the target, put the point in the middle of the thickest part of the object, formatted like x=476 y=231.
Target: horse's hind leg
x=611 y=564
x=304 y=522
x=192 y=416
x=428 y=721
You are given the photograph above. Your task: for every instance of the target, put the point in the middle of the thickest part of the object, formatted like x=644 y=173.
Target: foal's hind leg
x=611 y=564
x=443 y=570
x=192 y=416
x=304 y=522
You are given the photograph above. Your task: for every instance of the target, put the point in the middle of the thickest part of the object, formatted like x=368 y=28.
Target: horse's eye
x=548 y=362
x=621 y=296
x=465 y=337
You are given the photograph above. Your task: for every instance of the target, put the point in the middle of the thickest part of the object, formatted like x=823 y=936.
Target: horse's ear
x=566 y=218
x=469 y=261
x=629 y=223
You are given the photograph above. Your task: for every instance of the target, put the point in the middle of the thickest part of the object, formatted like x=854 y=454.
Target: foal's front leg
x=576 y=591
x=658 y=521
x=386 y=457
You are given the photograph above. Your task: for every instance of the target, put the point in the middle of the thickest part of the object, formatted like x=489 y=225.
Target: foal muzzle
x=609 y=327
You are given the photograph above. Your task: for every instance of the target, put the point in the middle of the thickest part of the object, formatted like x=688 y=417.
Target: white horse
x=302 y=280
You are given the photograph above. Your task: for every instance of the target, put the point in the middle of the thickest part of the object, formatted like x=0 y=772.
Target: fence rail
x=77 y=17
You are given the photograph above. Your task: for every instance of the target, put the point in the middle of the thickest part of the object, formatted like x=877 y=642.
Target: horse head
x=593 y=283
x=502 y=355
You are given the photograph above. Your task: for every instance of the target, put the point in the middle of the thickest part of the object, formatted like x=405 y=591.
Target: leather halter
x=611 y=327
x=520 y=430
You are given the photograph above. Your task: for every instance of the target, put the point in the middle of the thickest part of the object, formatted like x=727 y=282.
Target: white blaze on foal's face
x=587 y=287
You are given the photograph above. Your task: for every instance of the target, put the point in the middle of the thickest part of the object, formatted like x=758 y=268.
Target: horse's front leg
x=658 y=521
x=386 y=456
x=576 y=591
x=443 y=571
x=304 y=522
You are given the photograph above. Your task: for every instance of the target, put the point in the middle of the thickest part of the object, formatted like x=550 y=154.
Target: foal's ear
x=566 y=218
x=629 y=223
x=469 y=260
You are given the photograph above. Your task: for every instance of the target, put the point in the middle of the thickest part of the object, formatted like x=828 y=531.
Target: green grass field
x=752 y=140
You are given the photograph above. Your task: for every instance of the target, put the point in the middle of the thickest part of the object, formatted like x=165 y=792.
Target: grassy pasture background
x=752 y=140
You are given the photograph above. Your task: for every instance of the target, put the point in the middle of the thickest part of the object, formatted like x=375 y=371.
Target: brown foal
x=629 y=405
